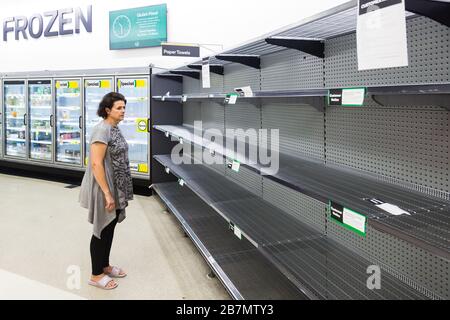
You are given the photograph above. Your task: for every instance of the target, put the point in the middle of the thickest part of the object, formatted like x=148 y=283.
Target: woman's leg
x=99 y=248
x=109 y=239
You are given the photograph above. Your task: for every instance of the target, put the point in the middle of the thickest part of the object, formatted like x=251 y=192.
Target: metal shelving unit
x=304 y=255
x=243 y=271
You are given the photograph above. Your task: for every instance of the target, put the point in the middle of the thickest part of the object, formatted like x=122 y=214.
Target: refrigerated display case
x=94 y=90
x=68 y=121
x=40 y=120
x=135 y=127
x=14 y=100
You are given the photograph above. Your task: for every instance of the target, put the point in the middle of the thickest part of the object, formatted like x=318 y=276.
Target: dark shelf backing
x=187 y=73
x=242 y=269
x=286 y=241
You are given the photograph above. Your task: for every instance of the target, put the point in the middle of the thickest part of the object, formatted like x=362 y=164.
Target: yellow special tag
x=105 y=84
x=86 y=160
x=57 y=85
x=143 y=167
x=73 y=84
x=140 y=83
x=141 y=124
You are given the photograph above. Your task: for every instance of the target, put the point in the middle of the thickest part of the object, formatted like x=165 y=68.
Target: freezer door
x=68 y=121
x=14 y=100
x=135 y=126
x=40 y=120
x=94 y=90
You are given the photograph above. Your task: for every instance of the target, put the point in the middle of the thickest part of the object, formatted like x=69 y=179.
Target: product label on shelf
x=141 y=125
x=348 y=218
x=105 y=84
x=235 y=166
x=381 y=34
x=244 y=91
x=231 y=98
x=181 y=182
x=237 y=232
x=132 y=83
x=134 y=166
x=388 y=207
x=167 y=170
x=351 y=97
x=143 y=167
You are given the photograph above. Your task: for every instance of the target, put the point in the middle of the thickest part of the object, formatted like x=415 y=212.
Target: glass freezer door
x=41 y=119
x=68 y=121
x=135 y=126
x=15 y=118
x=94 y=90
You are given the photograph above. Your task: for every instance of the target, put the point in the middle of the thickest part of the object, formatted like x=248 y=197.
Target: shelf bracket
x=187 y=73
x=315 y=47
x=436 y=10
x=252 y=61
x=214 y=68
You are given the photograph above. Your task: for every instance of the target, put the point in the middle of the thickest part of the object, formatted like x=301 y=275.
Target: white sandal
x=115 y=273
x=103 y=282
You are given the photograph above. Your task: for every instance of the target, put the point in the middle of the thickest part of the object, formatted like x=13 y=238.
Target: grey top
x=118 y=177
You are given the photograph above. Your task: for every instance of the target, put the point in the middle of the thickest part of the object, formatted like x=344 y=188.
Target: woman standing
x=106 y=188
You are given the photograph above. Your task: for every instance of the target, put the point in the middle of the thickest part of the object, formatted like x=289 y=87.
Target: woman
x=106 y=188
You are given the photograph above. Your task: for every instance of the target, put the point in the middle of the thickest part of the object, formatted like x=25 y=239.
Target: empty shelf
x=242 y=269
x=427 y=226
x=319 y=267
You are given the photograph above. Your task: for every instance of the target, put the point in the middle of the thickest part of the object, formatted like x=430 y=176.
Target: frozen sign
x=49 y=24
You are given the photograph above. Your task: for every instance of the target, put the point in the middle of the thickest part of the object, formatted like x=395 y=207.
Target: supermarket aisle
x=44 y=248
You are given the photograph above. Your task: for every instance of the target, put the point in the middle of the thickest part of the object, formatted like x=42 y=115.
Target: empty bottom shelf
x=242 y=269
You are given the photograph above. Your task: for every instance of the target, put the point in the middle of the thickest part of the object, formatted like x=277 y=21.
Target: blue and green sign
x=138 y=27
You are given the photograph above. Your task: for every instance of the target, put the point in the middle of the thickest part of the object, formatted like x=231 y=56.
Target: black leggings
x=100 y=248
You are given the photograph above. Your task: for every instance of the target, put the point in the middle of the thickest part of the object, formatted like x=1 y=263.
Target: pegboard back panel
x=301 y=128
x=303 y=208
x=243 y=116
x=400 y=145
x=191 y=85
x=192 y=111
x=246 y=179
x=291 y=70
x=428 y=51
x=237 y=76
x=213 y=116
x=216 y=84
x=427 y=273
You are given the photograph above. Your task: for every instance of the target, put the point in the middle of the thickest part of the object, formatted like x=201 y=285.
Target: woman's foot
x=109 y=285
x=114 y=272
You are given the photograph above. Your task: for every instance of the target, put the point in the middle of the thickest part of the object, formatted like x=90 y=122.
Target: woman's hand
x=110 y=204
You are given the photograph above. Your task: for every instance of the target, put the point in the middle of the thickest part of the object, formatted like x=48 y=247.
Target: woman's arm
x=98 y=152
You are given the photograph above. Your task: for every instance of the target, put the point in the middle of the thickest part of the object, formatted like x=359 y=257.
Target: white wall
x=226 y=23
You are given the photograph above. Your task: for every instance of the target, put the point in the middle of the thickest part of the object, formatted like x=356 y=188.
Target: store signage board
x=348 y=218
x=350 y=97
x=138 y=27
x=180 y=50
x=381 y=34
x=206 y=79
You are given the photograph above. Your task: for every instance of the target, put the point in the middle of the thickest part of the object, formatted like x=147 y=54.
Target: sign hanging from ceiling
x=138 y=27
x=180 y=50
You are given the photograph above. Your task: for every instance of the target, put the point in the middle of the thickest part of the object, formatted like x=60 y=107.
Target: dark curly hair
x=108 y=102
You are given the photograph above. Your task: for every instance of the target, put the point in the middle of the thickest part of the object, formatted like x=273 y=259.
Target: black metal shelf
x=315 y=47
x=319 y=267
x=241 y=268
x=253 y=61
x=427 y=227
x=214 y=68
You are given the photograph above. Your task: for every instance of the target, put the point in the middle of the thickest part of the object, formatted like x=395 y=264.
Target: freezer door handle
x=25 y=119
x=149 y=129
x=51 y=121
x=79 y=122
